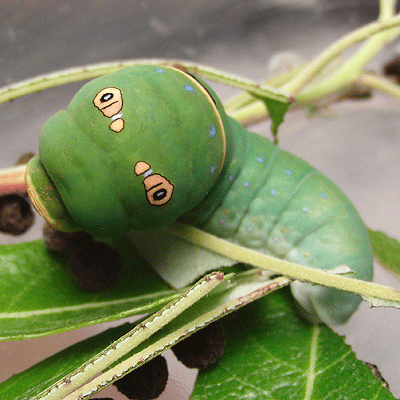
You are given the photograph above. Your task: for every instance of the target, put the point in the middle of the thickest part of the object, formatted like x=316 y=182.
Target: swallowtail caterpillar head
x=134 y=150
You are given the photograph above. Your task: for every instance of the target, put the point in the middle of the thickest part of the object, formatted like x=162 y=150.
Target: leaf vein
x=313 y=358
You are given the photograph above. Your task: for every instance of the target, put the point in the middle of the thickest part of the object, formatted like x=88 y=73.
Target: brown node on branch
x=25 y=158
x=392 y=68
x=357 y=92
x=203 y=348
x=146 y=382
x=16 y=215
x=177 y=65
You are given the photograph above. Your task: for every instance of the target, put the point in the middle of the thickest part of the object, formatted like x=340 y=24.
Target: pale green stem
x=238 y=82
x=368 y=290
x=380 y=83
x=251 y=112
x=92 y=71
x=353 y=68
x=250 y=115
x=54 y=79
x=318 y=64
x=245 y=99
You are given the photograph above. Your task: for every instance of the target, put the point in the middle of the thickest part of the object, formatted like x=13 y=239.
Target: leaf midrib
x=313 y=358
x=56 y=310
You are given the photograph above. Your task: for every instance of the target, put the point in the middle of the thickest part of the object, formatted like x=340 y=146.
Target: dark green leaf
x=272 y=354
x=39 y=297
x=386 y=250
x=34 y=380
x=234 y=292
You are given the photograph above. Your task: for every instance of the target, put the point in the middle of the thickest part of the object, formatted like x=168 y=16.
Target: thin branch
x=12 y=180
x=318 y=64
x=380 y=83
x=353 y=68
x=375 y=294
x=63 y=77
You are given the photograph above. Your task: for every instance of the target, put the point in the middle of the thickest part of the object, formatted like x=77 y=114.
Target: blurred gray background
x=356 y=144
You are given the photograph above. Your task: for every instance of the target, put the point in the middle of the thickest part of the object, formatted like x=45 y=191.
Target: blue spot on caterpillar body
x=147 y=145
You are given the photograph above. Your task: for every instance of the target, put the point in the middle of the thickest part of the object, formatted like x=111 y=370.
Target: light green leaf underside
x=386 y=250
x=177 y=261
x=272 y=354
x=38 y=296
x=233 y=292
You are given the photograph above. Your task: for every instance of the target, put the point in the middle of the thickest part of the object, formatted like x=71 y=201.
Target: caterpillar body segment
x=144 y=146
x=280 y=205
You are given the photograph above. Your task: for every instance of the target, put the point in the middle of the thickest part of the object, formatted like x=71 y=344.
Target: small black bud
x=146 y=382
x=16 y=215
x=392 y=69
x=96 y=266
x=203 y=348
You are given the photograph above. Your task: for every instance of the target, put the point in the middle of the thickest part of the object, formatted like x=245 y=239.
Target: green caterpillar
x=144 y=146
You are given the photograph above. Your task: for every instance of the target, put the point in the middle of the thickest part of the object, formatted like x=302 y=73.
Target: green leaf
x=273 y=354
x=143 y=334
x=386 y=250
x=90 y=357
x=38 y=296
x=34 y=380
x=232 y=293
x=277 y=110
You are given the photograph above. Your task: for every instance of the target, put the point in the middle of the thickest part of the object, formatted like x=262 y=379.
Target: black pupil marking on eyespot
x=159 y=194
x=106 y=97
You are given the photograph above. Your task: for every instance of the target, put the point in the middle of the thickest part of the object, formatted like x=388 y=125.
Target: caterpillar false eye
x=158 y=188
x=146 y=145
x=109 y=102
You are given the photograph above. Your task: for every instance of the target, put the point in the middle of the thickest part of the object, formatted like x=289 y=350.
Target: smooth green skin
x=167 y=125
x=275 y=202
x=263 y=198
